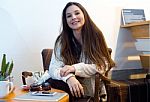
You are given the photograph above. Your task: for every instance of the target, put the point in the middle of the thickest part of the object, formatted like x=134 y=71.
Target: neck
x=77 y=35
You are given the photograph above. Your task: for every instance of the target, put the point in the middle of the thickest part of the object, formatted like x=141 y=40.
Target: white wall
x=28 y=26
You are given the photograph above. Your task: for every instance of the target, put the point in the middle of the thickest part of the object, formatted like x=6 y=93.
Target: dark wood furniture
x=132 y=90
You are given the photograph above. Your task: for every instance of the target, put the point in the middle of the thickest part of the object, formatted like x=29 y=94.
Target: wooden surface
x=145 y=60
x=138 y=76
x=139 y=30
x=19 y=91
x=136 y=24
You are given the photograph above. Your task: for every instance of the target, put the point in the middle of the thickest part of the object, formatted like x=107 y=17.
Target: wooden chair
x=46 y=57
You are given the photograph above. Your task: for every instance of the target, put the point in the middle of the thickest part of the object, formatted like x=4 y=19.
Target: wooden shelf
x=136 y=24
x=145 y=60
x=139 y=30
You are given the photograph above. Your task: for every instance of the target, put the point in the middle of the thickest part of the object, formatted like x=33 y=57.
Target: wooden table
x=19 y=91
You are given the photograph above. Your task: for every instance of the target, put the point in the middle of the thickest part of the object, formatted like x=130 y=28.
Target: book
x=132 y=15
x=51 y=98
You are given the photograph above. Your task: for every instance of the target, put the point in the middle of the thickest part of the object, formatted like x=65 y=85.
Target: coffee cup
x=5 y=88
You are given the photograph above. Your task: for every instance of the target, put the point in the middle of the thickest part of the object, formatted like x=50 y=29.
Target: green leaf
x=6 y=68
x=3 y=63
x=10 y=68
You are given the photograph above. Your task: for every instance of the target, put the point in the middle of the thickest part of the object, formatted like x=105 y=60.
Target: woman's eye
x=68 y=16
x=77 y=13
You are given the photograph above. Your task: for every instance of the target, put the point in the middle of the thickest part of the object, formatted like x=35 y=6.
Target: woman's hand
x=75 y=87
x=66 y=70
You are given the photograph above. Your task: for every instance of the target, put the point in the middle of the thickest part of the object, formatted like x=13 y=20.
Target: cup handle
x=11 y=87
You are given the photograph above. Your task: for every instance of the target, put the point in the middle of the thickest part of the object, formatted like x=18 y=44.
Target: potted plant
x=6 y=69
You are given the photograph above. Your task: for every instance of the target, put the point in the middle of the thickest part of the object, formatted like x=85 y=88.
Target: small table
x=19 y=91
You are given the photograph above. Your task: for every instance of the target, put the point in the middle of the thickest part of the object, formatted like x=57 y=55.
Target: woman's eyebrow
x=76 y=10
x=71 y=12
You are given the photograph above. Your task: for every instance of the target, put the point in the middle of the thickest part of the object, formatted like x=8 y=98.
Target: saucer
x=25 y=87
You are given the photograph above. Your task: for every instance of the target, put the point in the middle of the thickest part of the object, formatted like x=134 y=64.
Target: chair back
x=46 y=57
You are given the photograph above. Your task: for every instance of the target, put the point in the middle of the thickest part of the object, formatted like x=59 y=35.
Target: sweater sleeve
x=55 y=66
x=86 y=70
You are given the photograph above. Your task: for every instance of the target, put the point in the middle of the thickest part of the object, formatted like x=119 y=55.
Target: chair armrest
x=106 y=81
x=97 y=85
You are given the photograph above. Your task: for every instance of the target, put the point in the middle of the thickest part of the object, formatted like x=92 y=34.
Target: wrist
x=73 y=68
x=69 y=78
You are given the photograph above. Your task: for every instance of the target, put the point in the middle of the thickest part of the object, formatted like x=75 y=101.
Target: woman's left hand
x=76 y=88
x=66 y=70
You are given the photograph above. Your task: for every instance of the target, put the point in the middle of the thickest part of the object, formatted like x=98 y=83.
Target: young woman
x=80 y=51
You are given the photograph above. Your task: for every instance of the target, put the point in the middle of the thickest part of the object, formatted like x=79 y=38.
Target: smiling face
x=75 y=18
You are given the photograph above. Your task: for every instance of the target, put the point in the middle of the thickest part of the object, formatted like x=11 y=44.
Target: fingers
x=78 y=91
x=63 y=72
x=71 y=90
x=66 y=70
x=81 y=89
x=75 y=91
x=75 y=87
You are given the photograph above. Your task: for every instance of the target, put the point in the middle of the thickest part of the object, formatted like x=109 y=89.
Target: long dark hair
x=93 y=43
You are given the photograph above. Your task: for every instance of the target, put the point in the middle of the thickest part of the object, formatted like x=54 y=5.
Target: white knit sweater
x=82 y=69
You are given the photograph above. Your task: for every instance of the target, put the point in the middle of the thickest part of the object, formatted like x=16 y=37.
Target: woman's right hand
x=66 y=70
x=75 y=87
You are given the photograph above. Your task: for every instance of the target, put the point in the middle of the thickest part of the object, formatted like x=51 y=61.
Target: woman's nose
x=73 y=16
